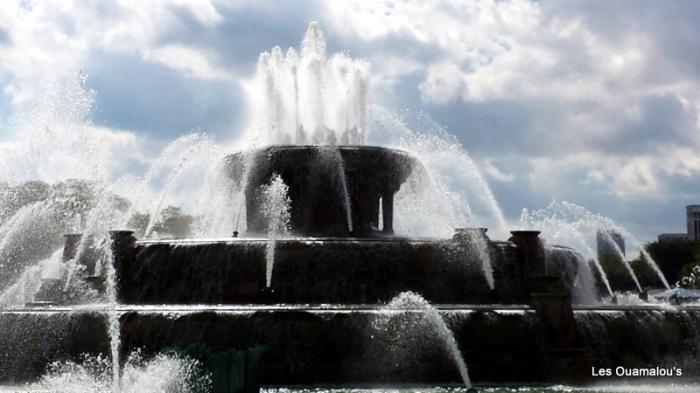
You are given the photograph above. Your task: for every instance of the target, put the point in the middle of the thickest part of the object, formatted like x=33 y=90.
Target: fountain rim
x=333 y=307
x=295 y=239
x=319 y=147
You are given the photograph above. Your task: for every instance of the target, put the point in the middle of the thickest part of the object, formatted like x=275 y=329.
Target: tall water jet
x=585 y=283
x=275 y=208
x=113 y=326
x=652 y=263
x=198 y=152
x=411 y=305
x=26 y=287
x=29 y=236
x=572 y=225
x=440 y=153
x=105 y=214
x=478 y=243
x=621 y=257
x=305 y=98
x=176 y=292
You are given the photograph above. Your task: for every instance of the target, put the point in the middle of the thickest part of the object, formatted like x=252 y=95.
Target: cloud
x=594 y=101
x=580 y=100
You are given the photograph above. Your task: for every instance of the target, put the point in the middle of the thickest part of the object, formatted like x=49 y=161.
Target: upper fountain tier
x=334 y=190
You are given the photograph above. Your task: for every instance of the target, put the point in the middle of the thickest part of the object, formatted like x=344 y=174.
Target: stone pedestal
x=318 y=178
x=122 y=242
x=567 y=356
x=530 y=250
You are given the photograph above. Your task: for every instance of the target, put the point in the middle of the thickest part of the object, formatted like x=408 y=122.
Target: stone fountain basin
x=314 y=175
x=340 y=345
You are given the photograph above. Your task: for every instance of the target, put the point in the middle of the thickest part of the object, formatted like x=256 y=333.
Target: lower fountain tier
x=315 y=271
x=351 y=346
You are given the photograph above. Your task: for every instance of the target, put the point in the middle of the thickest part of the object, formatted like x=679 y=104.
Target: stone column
x=122 y=242
x=531 y=252
x=566 y=355
x=388 y=213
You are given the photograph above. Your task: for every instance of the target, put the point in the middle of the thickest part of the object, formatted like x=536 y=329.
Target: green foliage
x=645 y=274
x=172 y=222
x=618 y=276
x=68 y=198
x=13 y=198
x=138 y=223
x=675 y=257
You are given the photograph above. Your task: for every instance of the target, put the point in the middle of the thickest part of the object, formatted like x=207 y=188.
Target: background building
x=664 y=237
x=692 y=213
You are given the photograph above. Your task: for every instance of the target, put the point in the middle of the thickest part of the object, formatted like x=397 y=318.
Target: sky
x=591 y=102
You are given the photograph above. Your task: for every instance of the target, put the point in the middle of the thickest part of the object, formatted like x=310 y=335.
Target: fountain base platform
x=364 y=345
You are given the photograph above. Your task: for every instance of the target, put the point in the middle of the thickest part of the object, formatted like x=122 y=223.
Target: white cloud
x=189 y=61
x=495 y=173
x=592 y=97
x=49 y=40
x=602 y=99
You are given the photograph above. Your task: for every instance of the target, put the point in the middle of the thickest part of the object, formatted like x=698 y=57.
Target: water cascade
x=334 y=157
x=572 y=225
x=621 y=256
x=345 y=227
x=113 y=329
x=439 y=153
x=408 y=303
x=275 y=206
x=306 y=98
x=163 y=373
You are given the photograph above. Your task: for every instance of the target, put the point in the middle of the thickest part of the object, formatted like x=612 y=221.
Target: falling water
x=55 y=145
x=305 y=97
x=198 y=149
x=276 y=209
x=478 y=243
x=333 y=156
x=28 y=284
x=29 y=236
x=114 y=329
x=104 y=216
x=569 y=224
x=163 y=373
x=621 y=256
x=652 y=263
x=412 y=305
x=446 y=167
x=585 y=282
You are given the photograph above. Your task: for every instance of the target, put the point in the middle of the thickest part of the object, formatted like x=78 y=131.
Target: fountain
x=303 y=264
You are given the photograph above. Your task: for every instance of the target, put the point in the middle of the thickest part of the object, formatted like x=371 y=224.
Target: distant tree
x=172 y=222
x=14 y=198
x=68 y=198
x=138 y=223
x=645 y=274
x=618 y=275
x=674 y=257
